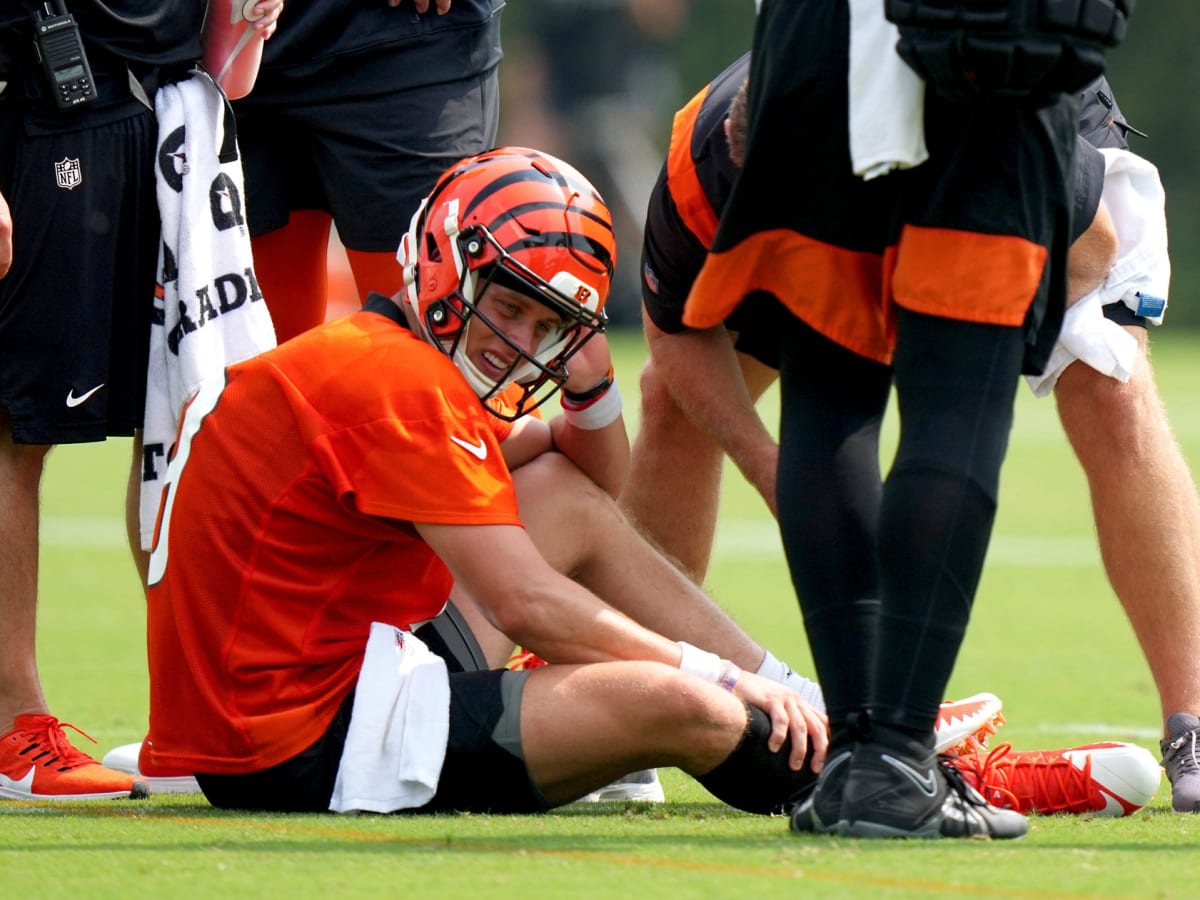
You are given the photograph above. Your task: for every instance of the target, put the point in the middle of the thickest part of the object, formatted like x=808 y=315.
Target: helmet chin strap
x=483 y=386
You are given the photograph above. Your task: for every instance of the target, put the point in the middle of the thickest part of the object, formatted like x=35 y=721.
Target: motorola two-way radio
x=60 y=48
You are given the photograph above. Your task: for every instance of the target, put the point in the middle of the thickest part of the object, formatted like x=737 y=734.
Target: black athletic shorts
x=75 y=307
x=368 y=161
x=483 y=771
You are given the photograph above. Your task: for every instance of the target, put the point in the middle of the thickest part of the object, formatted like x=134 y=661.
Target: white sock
x=777 y=670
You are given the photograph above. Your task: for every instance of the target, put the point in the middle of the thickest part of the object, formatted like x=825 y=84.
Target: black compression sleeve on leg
x=956 y=384
x=754 y=779
x=829 y=486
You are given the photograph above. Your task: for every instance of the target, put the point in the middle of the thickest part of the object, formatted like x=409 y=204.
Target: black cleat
x=907 y=791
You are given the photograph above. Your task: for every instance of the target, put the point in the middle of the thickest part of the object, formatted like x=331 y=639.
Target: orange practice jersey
x=286 y=531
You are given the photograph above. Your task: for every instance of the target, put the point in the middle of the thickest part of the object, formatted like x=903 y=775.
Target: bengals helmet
x=531 y=223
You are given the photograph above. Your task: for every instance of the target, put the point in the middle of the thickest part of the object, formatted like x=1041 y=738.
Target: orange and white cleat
x=37 y=762
x=1108 y=779
x=963 y=726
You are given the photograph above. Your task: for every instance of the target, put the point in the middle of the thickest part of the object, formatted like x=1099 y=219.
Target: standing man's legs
x=74 y=338
x=829 y=488
x=955 y=384
x=1140 y=484
x=133 y=511
x=290 y=264
x=362 y=162
x=674 y=485
x=20 y=478
x=886 y=641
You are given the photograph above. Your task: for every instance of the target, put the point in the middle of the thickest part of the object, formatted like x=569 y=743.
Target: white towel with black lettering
x=399 y=726
x=209 y=311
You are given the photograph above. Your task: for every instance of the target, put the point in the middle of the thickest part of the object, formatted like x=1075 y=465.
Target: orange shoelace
x=1044 y=780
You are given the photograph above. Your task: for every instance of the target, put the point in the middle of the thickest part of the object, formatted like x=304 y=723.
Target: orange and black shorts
x=978 y=233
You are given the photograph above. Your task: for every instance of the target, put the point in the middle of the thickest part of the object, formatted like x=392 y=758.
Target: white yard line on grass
x=737 y=539
x=751 y=539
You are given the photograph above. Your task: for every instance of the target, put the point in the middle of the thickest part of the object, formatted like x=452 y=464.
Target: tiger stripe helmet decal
x=524 y=219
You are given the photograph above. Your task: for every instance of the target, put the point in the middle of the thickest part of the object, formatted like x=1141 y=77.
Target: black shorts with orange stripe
x=979 y=232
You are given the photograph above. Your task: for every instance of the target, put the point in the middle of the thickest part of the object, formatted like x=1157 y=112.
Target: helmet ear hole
x=435 y=253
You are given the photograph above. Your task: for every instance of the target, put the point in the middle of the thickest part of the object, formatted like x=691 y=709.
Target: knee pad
x=1025 y=52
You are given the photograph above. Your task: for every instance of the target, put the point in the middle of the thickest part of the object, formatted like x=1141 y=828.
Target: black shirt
x=149 y=32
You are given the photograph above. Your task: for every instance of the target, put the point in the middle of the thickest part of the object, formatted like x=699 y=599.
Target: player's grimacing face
x=523 y=321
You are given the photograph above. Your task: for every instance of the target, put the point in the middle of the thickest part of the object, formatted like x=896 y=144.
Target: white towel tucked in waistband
x=399 y=726
x=1139 y=278
x=887 y=98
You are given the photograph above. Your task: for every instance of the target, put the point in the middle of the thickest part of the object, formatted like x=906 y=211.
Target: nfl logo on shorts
x=67 y=174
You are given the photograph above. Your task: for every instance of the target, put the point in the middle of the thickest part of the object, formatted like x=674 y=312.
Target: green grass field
x=1048 y=637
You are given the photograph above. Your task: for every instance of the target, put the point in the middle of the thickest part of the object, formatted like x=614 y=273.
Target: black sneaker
x=907 y=791
x=821 y=810
x=1181 y=759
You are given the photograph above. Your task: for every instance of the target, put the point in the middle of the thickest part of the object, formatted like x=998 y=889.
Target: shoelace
x=1044 y=780
x=958 y=785
x=1189 y=758
x=55 y=750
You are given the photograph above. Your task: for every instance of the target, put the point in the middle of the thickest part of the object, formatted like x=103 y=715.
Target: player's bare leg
x=133 y=511
x=21 y=468
x=581 y=533
x=674 y=485
x=583 y=726
x=1141 y=486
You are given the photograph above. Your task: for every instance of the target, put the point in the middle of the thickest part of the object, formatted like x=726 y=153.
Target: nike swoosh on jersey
x=924 y=781
x=73 y=401
x=20 y=788
x=478 y=451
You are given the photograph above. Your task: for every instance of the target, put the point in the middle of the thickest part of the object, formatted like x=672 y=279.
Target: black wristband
x=591 y=394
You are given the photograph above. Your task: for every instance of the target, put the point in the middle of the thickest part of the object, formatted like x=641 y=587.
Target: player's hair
x=738 y=122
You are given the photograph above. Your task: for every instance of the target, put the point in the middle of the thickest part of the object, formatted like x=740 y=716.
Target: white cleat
x=963 y=726
x=125 y=759
x=642 y=786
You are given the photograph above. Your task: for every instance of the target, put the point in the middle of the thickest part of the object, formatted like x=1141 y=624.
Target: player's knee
x=703 y=722
x=659 y=409
x=663 y=423
x=1103 y=415
x=553 y=481
x=22 y=461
